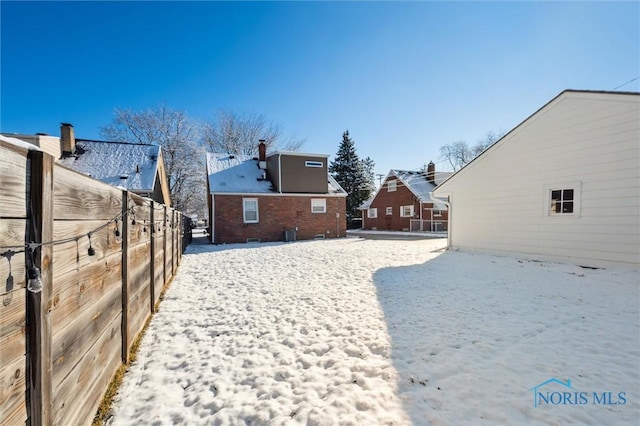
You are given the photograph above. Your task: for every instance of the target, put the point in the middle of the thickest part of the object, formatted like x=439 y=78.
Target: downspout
x=279 y=173
x=447 y=203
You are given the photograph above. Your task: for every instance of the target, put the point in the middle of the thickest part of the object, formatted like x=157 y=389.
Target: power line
x=630 y=81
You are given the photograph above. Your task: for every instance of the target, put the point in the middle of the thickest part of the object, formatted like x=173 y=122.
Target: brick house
x=282 y=196
x=403 y=203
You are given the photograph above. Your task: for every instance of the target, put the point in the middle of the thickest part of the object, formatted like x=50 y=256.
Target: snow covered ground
x=369 y=332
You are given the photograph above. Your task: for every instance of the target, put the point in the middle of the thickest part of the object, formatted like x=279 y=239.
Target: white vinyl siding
x=372 y=213
x=318 y=205
x=250 y=210
x=501 y=201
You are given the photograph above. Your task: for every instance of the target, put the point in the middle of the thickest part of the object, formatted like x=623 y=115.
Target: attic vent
x=124 y=177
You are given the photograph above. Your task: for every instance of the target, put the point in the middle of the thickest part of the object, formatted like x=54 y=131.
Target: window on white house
x=372 y=213
x=389 y=210
x=562 y=201
x=250 y=210
x=318 y=205
x=392 y=185
x=406 y=211
x=313 y=163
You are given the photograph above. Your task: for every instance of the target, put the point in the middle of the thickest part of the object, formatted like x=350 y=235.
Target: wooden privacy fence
x=104 y=255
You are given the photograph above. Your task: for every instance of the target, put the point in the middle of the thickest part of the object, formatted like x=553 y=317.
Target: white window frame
x=576 y=186
x=372 y=213
x=402 y=211
x=389 y=211
x=392 y=185
x=319 y=202
x=437 y=212
x=316 y=164
x=245 y=210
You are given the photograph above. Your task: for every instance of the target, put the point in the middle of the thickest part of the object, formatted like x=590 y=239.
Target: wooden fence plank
x=13 y=191
x=13 y=322
x=74 y=255
x=12 y=266
x=12 y=395
x=78 y=290
x=72 y=343
x=80 y=197
x=77 y=397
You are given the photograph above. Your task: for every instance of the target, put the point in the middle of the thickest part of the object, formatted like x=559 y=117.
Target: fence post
x=39 y=304
x=152 y=269
x=126 y=218
x=164 y=245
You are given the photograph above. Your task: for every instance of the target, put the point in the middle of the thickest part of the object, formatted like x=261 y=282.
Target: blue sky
x=403 y=77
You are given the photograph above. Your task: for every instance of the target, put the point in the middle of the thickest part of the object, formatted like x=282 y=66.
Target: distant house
x=137 y=167
x=562 y=185
x=282 y=196
x=403 y=203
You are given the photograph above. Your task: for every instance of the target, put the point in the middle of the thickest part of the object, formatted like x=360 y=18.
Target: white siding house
x=563 y=185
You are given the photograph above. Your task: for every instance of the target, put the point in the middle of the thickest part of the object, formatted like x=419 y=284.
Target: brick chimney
x=262 y=154
x=431 y=172
x=67 y=139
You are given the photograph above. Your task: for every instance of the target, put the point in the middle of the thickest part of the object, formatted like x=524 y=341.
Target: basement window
x=372 y=213
x=250 y=210
x=318 y=205
x=314 y=164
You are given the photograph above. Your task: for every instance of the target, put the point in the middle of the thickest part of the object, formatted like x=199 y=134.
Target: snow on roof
x=334 y=186
x=128 y=165
x=19 y=142
x=241 y=174
x=417 y=182
x=236 y=173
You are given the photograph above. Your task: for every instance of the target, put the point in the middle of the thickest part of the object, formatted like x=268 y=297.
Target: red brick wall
x=402 y=196
x=277 y=214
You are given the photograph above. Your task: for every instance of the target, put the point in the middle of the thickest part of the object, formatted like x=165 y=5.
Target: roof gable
x=566 y=94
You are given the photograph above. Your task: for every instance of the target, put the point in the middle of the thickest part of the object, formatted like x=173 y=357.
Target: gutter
x=446 y=202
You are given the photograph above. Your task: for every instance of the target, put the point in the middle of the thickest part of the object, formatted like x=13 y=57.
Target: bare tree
x=456 y=153
x=459 y=153
x=485 y=142
x=176 y=134
x=235 y=133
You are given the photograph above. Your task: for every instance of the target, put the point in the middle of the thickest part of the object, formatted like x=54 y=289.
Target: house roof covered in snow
x=228 y=173
x=236 y=173
x=416 y=182
x=131 y=166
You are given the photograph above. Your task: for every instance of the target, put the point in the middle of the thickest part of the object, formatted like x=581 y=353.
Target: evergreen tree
x=353 y=174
